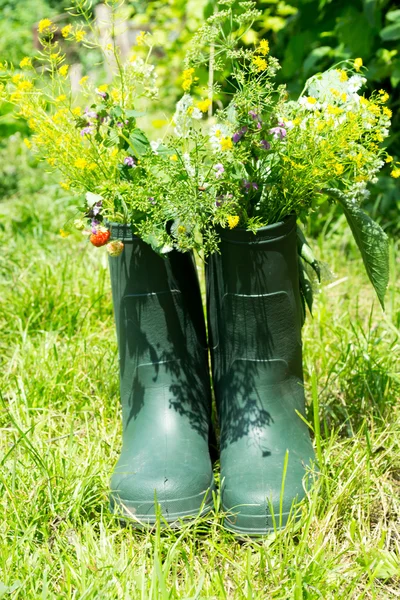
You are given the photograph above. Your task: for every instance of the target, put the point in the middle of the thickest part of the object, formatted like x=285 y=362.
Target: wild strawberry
x=115 y=248
x=100 y=238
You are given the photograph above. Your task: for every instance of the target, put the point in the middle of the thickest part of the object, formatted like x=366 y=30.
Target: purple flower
x=255 y=116
x=278 y=132
x=120 y=124
x=96 y=208
x=151 y=200
x=248 y=185
x=129 y=161
x=94 y=224
x=236 y=137
x=91 y=114
x=221 y=199
x=87 y=130
x=102 y=94
x=239 y=134
x=264 y=144
x=219 y=170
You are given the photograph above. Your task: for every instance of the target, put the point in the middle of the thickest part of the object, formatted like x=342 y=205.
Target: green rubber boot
x=255 y=315
x=165 y=384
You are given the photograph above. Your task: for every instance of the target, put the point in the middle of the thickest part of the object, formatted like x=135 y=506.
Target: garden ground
x=61 y=433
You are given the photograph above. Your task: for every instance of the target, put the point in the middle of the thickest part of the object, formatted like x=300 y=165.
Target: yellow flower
x=395 y=173
x=114 y=152
x=158 y=123
x=226 y=143
x=343 y=75
x=27 y=143
x=115 y=95
x=384 y=96
x=311 y=100
x=109 y=47
x=173 y=157
x=386 y=111
x=364 y=101
x=233 y=220
x=358 y=63
x=65 y=185
x=24 y=86
x=76 y=111
x=103 y=87
x=263 y=47
x=51 y=161
x=17 y=77
x=44 y=24
x=181 y=229
x=83 y=80
x=64 y=234
x=389 y=159
x=187 y=79
x=65 y=31
x=63 y=70
x=343 y=97
x=140 y=38
x=61 y=98
x=79 y=35
x=132 y=57
x=260 y=63
x=333 y=110
x=338 y=168
x=334 y=92
x=54 y=55
x=204 y=105
x=92 y=166
x=81 y=163
x=25 y=63
x=190 y=110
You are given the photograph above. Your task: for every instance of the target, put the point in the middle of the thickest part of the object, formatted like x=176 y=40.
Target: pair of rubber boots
x=254 y=332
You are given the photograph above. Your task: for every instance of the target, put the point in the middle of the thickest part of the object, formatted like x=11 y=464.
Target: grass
x=61 y=432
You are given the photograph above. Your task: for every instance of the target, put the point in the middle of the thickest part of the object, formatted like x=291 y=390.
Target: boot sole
x=257 y=526
x=128 y=509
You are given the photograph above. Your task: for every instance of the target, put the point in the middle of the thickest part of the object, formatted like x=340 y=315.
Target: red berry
x=100 y=238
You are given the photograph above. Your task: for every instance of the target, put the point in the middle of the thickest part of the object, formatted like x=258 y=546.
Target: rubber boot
x=164 y=382
x=254 y=316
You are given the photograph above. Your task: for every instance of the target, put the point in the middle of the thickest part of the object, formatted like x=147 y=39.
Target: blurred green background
x=307 y=36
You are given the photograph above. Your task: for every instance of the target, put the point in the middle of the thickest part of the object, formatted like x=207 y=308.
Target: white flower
x=309 y=102
x=219 y=170
x=355 y=83
x=155 y=145
x=92 y=199
x=196 y=113
x=217 y=133
x=181 y=117
x=191 y=171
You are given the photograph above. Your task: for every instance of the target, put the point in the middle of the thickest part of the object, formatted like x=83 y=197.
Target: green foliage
x=16 y=27
x=61 y=433
x=371 y=240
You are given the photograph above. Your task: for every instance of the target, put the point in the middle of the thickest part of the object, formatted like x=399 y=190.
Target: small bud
x=79 y=224
x=115 y=248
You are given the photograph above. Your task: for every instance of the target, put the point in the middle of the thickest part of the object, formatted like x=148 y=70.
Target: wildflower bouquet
x=258 y=159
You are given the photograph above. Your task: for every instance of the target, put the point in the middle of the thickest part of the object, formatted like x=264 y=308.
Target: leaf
x=133 y=114
x=391 y=32
x=138 y=142
x=305 y=286
x=314 y=57
x=371 y=240
x=306 y=253
x=393 y=15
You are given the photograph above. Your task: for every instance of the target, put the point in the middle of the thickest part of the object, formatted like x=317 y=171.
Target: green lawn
x=61 y=433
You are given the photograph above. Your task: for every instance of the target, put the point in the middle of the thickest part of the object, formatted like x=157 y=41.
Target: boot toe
x=178 y=492
x=257 y=504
